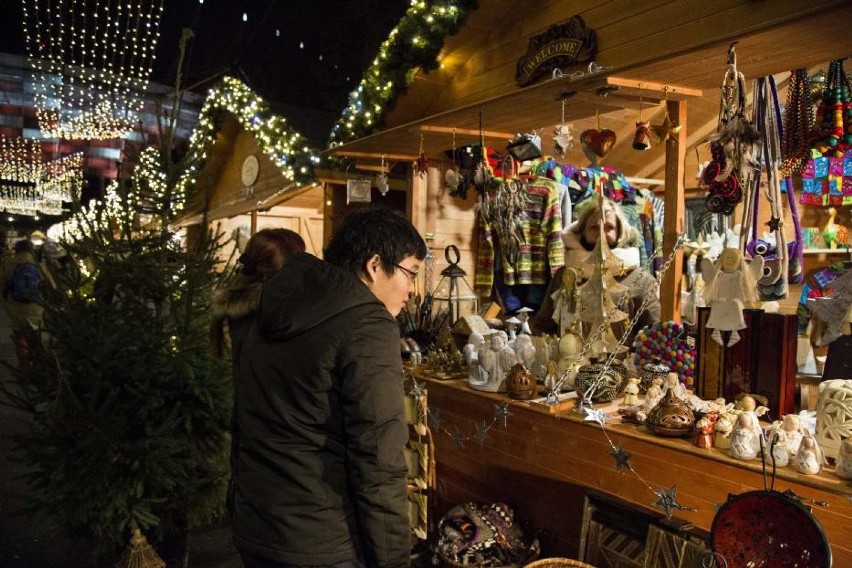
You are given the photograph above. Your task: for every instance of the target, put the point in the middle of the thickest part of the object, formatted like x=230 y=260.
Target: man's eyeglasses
x=412 y=275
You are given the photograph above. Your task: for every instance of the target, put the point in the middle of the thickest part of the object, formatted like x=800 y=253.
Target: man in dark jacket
x=319 y=475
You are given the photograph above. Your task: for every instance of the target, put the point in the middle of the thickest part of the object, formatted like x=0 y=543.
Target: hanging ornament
x=453 y=180
x=597 y=143
x=667 y=130
x=421 y=164
x=642 y=137
x=562 y=138
x=382 y=179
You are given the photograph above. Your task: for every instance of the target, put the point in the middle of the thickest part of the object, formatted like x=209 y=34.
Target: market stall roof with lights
x=236 y=123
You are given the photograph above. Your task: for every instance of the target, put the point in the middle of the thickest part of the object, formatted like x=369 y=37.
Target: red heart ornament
x=598 y=141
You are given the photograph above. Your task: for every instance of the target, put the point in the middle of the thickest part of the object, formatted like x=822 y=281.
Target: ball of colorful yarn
x=668 y=342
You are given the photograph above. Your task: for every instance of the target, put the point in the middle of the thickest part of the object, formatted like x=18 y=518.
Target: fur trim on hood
x=236 y=304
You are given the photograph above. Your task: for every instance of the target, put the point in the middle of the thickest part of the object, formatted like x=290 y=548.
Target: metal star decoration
x=667 y=500
x=594 y=415
x=417 y=390
x=481 y=433
x=667 y=131
x=501 y=413
x=622 y=458
x=458 y=438
x=434 y=419
x=421 y=164
x=774 y=223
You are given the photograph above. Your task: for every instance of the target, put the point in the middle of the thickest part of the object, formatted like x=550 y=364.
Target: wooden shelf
x=845 y=250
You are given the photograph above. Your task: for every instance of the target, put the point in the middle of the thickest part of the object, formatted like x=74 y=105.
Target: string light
x=414 y=44
x=28 y=186
x=284 y=146
x=90 y=64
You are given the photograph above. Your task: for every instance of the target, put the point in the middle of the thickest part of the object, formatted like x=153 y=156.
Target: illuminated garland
x=283 y=145
x=28 y=186
x=413 y=44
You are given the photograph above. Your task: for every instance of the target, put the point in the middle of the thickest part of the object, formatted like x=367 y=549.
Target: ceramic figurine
x=794 y=431
x=731 y=285
x=475 y=343
x=843 y=465
x=525 y=350
x=723 y=430
x=491 y=365
x=520 y=383
x=777 y=450
x=552 y=376
x=654 y=395
x=746 y=404
x=705 y=426
x=511 y=326
x=672 y=382
x=631 y=392
x=744 y=444
x=809 y=458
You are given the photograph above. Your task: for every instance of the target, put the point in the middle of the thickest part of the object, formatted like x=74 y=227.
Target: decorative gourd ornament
x=521 y=383
x=671 y=417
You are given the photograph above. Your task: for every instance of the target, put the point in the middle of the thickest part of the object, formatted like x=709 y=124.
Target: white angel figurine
x=730 y=285
x=565 y=300
x=777 y=450
x=809 y=459
x=475 y=344
x=795 y=431
x=631 y=392
x=673 y=383
x=652 y=397
x=744 y=443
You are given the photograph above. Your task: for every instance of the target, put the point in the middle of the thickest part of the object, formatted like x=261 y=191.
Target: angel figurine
x=565 y=300
x=673 y=383
x=475 y=344
x=777 y=449
x=705 y=427
x=730 y=285
x=631 y=392
x=794 y=431
x=524 y=350
x=843 y=466
x=744 y=443
x=809 y=459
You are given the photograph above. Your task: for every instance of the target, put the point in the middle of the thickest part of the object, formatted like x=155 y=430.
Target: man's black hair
x=371 y=231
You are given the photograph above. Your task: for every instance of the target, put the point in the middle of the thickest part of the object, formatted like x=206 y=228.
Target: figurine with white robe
x=809 y=459
x=744 y=444
x=731 y=285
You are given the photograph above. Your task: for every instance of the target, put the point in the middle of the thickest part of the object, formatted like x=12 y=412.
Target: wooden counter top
x=544 y=460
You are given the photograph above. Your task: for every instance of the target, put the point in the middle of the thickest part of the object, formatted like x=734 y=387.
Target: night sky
x=294 y=53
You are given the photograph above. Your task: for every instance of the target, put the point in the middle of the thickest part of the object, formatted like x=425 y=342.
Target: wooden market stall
x=657 y=56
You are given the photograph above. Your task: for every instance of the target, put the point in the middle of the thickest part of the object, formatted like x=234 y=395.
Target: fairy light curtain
x=91 y=61
x=28 y=186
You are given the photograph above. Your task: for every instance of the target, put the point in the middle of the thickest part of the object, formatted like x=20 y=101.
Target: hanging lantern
x=454 y=289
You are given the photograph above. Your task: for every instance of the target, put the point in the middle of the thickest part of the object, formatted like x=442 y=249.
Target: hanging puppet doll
x=730 y=285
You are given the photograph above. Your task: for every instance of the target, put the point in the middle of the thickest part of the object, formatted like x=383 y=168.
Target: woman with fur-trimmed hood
x=235 y=307
x=580 y=239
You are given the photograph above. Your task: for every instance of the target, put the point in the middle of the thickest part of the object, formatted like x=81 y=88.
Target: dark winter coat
x=320 y=476
x=239 y=308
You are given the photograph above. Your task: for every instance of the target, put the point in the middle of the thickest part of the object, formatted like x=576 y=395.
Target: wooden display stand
x=762 y=362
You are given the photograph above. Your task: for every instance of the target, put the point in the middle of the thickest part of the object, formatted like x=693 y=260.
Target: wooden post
x=674 y=213
x=253 y=229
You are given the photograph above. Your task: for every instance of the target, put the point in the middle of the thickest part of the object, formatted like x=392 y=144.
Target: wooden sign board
x=561 y=45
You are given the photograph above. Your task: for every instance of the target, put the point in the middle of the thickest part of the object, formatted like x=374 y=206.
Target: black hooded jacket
x=320 y=476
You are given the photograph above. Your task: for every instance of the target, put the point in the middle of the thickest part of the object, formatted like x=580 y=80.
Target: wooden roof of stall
x=643 y=46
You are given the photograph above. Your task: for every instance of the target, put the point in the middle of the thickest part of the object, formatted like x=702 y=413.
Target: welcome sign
x=561 y=45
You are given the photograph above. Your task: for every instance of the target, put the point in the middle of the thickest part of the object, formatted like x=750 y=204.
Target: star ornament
x=416 y=391
x=421 y=164
x=481 y=433
x=501 y=413
x=622 y=458
x=667 y=501
x=774 y=223
x=667 y=131
x=594 y=415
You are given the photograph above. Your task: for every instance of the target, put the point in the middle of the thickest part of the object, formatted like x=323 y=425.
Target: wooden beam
x=375 y=155
x=675 y=210
x=465 y=131
x=651 y=89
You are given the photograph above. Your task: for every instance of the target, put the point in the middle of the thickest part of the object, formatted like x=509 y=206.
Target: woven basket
x=534 y=551
x=558 y=563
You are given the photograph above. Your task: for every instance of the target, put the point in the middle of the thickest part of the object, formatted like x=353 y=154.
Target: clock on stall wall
x=250 y=170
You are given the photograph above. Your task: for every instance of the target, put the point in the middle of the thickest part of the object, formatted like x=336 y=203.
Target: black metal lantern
x=453 y=288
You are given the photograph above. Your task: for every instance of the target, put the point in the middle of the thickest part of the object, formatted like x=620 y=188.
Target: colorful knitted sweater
x=541 y=253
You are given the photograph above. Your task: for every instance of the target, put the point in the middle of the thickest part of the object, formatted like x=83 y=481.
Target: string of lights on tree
x=91 y=63
x=282 y=144
x=413 y=44
x=28 y=186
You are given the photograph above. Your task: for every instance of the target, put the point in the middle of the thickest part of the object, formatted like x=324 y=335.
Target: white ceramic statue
x=843 y=466
x=673 y=382
x=748 y=405
x=475 y=344
x=724 y=428
x=525 y=350
x=730 y=286
x=631 y=392
x=744 y=444
x=496 y=361
x=795 y=431
x=809 y=459
x=653 y=396
x=777 y=449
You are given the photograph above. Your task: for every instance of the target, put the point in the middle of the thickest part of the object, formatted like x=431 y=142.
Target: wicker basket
x=558 y=563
